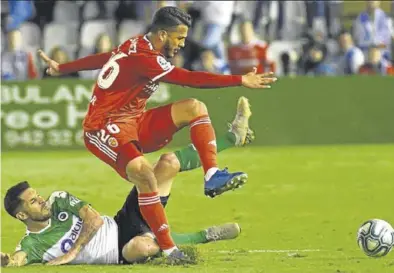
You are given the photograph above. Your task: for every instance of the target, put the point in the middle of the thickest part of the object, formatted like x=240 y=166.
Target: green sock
x=189 y=238
x=225 y=142
x=189 y=158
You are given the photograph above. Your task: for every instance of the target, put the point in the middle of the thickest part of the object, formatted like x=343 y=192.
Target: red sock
x=203 y=138
x=153 y=212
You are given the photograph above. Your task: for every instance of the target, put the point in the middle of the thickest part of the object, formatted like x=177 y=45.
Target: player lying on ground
x=65 y=230
x=119 y=130
x=55 y=226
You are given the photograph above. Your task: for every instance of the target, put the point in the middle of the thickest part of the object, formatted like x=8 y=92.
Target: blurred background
x=287 y=37
x=320 y=43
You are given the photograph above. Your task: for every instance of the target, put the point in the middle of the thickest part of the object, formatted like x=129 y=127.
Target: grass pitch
x=299 y=211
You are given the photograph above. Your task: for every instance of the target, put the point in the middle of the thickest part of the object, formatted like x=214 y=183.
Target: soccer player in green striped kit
x=67 y=230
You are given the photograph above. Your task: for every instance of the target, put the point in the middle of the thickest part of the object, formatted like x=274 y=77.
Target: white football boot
x=240 y=125
x=223 y=232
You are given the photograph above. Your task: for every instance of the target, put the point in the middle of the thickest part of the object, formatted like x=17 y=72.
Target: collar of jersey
x=150 y=45
x=42 y=230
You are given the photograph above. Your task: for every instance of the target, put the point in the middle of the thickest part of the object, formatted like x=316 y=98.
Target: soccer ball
x=376 y=238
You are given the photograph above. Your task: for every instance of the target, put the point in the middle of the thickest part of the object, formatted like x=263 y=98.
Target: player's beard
x=45 y=215
x=168 y=50
x=40 y=217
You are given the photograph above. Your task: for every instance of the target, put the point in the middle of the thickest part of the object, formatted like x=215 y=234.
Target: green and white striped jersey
x=64 y=229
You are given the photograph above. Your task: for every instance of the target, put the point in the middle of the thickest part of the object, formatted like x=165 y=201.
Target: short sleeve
x=75 y=204
x=154 y=67
x=68 y=202
x=32 y=251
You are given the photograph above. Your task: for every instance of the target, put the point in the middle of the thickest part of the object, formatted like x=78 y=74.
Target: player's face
x=34 y=206
x=175 y=41
x=374 y=56
x=345 y=41
x=14 y=40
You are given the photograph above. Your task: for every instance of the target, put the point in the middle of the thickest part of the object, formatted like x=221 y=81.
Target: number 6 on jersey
x=110 y=71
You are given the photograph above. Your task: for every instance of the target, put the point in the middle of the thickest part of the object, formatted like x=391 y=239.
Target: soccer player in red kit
x=118 y=129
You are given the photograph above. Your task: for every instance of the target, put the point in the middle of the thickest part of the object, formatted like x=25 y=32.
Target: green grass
x=304 y=197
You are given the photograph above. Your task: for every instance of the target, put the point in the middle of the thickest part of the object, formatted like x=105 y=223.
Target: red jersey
x=242 y=58
x=126 y=82
x=130 y=74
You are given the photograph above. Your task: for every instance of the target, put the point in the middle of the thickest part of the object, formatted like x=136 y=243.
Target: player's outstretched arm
x=199 y=79
x=91 y=62
x=92 y=222
x=19 y=258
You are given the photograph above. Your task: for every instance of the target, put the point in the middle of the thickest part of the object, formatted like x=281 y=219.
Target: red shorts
x=117 y=143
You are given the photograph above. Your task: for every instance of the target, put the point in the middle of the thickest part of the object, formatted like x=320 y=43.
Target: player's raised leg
x=185 y=159
x=195 y=114
x=239 y=134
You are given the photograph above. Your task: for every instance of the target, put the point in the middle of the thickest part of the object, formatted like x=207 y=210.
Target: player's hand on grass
x=5 y=259
x=65 y=259
x=254 y=80
x=53 y=67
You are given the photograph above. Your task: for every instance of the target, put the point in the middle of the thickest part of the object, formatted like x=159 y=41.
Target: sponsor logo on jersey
x=67 y=243
x=112 y=142
x=151 y=88
x=63 y=216
x=164 y=64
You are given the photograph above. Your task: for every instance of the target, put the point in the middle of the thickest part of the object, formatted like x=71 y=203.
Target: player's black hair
x=12 y=200
x=169 y=17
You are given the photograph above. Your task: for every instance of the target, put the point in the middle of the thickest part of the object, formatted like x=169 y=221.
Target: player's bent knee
x=139 y=248
x=195 y=108
x=140 y=171
x=170 y=161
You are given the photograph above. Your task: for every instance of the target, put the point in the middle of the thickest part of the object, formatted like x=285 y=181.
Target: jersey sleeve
x=152 y=66
x=33 y=251
x=68 y=202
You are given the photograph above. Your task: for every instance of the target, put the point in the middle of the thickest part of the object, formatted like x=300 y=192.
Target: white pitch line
x=269 y=250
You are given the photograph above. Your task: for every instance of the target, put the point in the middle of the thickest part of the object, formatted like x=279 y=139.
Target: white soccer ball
x=376 y=238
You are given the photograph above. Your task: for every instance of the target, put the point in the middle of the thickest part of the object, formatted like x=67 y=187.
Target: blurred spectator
x=246 y=9
x=216 y=18
x=19 y=12
x=191 y=53
x=146 y=9
x=129 y=9
x=207 y=62
x=282 y=20
x=324 y=16
x=60 y=55
x=103 y=45
x=371 y=29
x=291 y=22
x=314 y=53
x=250 y=53
x=376 y=65
x=17 y=64
x=262 y=17
x=352 y=57
x=44 y=12
x=333 y=17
